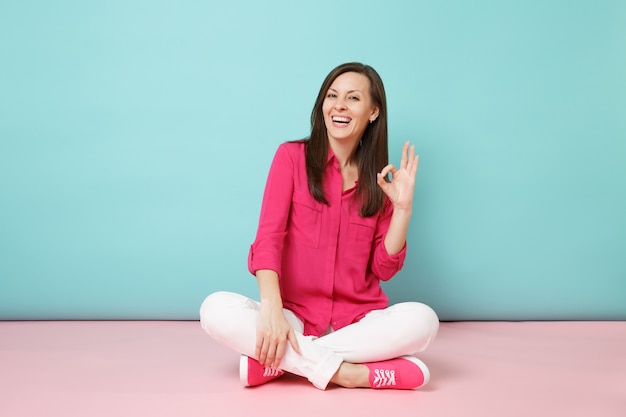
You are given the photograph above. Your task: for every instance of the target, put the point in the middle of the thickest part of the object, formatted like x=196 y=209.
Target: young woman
x=332 y=226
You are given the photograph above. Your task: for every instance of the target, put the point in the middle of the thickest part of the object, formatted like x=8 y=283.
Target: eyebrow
x=351 y=91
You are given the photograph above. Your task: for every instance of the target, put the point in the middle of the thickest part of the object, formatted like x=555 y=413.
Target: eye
x=354 y=98
x=331 y=95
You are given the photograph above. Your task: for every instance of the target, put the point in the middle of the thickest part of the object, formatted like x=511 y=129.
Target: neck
x=344 y=151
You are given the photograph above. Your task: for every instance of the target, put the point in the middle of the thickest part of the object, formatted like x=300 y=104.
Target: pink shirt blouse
x=329 y=259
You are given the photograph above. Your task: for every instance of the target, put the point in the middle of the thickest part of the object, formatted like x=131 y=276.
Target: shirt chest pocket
x=306 y=218
x=361 y=232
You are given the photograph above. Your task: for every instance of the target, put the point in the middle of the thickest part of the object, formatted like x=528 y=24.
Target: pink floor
x=173 y=369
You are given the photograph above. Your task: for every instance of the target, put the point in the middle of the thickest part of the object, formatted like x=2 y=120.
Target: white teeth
x=341 y=119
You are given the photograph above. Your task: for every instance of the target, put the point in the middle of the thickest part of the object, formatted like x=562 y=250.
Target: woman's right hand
x=272 y=335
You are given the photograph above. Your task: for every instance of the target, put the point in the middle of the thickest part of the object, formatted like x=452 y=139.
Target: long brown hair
x=372 y=153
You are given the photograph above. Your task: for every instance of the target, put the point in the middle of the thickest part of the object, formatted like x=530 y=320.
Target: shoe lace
x=384 y=378
x=267 y=372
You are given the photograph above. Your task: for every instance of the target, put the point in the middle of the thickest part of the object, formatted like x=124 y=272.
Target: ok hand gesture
x=400 y=189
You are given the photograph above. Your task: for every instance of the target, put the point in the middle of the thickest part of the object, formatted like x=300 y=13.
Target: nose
x=340 y=103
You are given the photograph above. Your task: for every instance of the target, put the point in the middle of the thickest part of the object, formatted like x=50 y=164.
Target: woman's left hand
x=400 y=189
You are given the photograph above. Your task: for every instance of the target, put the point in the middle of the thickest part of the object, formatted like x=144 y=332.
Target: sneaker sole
x=243 y=370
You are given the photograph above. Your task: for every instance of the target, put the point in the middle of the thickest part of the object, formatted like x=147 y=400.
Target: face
x=348 y=107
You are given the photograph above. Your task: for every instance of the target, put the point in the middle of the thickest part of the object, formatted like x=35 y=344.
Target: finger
x=264 y=352
x=411 y=159
x=271 y=356
x=404 y=159
x=386 y=170
x=381 y=181
x=386 y=187
x=294 y=341
x=280 y=352
x=258 y=347
x=415 y=165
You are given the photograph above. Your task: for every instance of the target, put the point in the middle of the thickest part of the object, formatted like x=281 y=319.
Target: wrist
x=271 y=302
x=402 y=211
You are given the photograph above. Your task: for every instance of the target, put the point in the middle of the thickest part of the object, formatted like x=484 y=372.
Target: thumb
x=380 y=179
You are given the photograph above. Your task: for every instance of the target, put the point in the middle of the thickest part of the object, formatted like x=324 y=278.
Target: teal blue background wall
x=135 y=137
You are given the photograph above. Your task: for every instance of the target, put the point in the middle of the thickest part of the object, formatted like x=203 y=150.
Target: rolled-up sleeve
x=265 y=252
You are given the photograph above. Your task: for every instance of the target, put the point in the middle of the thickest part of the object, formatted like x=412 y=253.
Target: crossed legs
x=401 y=329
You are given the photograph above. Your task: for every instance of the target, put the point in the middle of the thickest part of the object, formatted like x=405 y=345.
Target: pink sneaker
x=252 y=373
x=406 y=372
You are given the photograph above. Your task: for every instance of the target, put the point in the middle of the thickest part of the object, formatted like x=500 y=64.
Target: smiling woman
x=331 y=186
x=355 y=94
x=348 y=108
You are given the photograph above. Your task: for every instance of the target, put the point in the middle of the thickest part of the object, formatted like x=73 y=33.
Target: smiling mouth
x=341 y=120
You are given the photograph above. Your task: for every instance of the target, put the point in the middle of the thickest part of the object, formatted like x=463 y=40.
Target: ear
x=374 y=115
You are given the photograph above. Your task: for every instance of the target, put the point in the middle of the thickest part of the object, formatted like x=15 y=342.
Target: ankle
x=351 y=375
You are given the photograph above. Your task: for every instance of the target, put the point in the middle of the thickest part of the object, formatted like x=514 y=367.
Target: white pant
x=401 y=329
